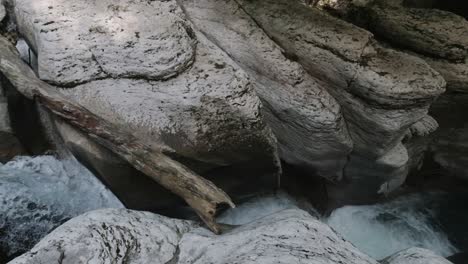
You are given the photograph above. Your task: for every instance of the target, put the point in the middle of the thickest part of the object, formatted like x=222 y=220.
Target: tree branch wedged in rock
x=202 y=195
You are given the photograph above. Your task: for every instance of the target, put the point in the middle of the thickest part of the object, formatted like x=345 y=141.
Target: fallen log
x=202 y=195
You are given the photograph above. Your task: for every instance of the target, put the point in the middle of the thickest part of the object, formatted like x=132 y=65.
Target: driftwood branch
x=202 y=195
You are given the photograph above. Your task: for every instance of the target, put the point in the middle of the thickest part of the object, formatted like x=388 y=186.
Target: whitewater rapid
x=377 y=230
x=38 y=194
x=383 y=229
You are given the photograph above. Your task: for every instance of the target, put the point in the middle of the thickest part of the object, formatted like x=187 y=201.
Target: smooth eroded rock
x=305 y=118
x=108 y=236
x=415 y=256
x=79 y=41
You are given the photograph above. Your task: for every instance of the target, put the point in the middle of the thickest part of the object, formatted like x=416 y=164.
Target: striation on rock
x=80 y=41
x=168 y=84
x=304 y=117
x=109 y=236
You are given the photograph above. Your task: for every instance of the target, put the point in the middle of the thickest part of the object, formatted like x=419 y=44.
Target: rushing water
x=39 y=193
x=418 y=220
x=421 y=220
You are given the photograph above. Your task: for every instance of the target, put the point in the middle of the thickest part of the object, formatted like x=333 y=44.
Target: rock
x=288 y=236
x=110 y=236
x=438 y=37
x=305 y=118
x=105 y=39
x=9 y=143
x=209 y=114
x=2 y=11
x=168 y=84
x=368 y=179
x=454 y=73
x=382 y=92
x=415 y=256
x=427 y=31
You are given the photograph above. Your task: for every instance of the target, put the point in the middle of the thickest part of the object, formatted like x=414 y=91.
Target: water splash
x=260 y=207
x=383 y=229
x=39 y=193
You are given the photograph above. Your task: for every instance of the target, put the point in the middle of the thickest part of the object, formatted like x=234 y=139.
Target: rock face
x=440 y=38
x=306 y=119
x=110 y=236
x=168 y=84
x=382 y=92
x=289 y=236
x=437 y=36
x=415 y=256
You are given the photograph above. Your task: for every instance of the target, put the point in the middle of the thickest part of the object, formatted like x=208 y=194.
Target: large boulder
x=168 y=84
x=105 y=236
x=415 y=256
x=306 y=119
x=382 y=92
x=110 y=236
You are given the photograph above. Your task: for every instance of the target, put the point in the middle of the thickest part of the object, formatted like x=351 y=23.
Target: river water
x=38 y=194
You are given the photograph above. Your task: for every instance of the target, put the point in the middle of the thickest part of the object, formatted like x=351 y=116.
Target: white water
x=257 y=208
x=39 y=193
x=378 y=230
x=383 y=229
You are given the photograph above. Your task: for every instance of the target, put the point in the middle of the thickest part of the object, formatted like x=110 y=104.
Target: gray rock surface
x=426 y=31
x=382 y=92
x=289 y=236
x=438 y=37
x=209 y=113
x=2 y=11
x=105 y=236
x=415 y=256
x=305 y=118
x=110 y=236
x=168 y=84
x=81 y=41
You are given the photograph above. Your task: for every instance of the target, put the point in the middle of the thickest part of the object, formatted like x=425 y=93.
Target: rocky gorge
x=181 y=108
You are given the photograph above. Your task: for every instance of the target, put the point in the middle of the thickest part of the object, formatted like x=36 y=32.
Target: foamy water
x=383 y=229
x=39 y=193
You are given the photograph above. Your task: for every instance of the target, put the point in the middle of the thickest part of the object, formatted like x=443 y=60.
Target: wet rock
x=288 y=236
x=415 y=256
